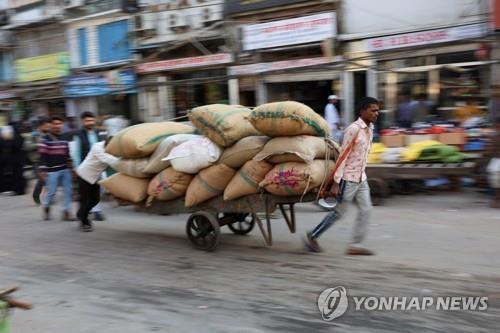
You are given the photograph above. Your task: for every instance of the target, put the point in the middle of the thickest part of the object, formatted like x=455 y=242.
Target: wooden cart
x=240 y=215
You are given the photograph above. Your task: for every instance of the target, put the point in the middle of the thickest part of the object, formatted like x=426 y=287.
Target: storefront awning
x=459 y=67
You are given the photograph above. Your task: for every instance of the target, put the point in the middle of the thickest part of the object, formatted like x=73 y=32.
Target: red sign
x=165 y=65
x=278 y=65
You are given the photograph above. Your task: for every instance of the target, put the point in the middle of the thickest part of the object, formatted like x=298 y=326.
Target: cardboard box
x=412 y=138
x=458 y=138
x=392 y=141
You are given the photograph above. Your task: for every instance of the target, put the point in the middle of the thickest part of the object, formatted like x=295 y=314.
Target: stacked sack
x=137 y=146
x=278 y=147
x=298 y=156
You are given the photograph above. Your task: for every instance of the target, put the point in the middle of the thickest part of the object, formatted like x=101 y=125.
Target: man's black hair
x=87 y=114
x=365 y=102
x=54 y=118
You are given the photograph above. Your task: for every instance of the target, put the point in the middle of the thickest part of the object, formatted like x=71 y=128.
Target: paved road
x=138 y=273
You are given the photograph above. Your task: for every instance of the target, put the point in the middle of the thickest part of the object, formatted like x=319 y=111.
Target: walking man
x=55 y=168
x=348 y=181
x=84 y=140
x=89 y=172
x=43 y=128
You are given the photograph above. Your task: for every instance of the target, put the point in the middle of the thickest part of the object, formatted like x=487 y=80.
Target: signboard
x=426 y=37
x=165 y=65
x=294 y=31
x=241 y=6
x=111 y=82
x=44 y=67
x=277 y=65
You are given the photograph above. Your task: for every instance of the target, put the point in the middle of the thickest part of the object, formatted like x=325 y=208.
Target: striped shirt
x=54 y=153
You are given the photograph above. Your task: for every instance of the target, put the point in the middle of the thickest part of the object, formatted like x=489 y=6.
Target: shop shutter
x=113 y=41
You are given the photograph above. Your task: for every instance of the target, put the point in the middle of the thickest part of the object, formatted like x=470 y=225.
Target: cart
x=379 y=175
x=240 y=215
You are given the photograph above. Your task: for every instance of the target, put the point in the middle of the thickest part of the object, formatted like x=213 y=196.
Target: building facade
x=38 y=59
x=427 y=48
x=100 y=40
x=284 y=50
x=184 y=57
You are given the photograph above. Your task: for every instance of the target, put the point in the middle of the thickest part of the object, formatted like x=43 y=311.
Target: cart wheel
x=243 y=224
x=203 y=231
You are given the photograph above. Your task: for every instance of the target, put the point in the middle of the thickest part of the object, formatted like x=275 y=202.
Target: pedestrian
x=84 y=139
x=89 y=172
x=18 y=161
x=12 y=160
x=43 y=128
x=420 y=108
x=348 y=181
x=55 y=167
x=332 y=118
x=494 y=108
x=404 y=112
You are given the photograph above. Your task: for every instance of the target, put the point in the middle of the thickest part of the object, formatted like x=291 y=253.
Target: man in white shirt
x=332 y=117
x=89 y=172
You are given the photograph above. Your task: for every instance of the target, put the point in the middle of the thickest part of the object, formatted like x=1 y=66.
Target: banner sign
x=111 y=82
x=300 y=30
x=50 y=66
x=165 y=65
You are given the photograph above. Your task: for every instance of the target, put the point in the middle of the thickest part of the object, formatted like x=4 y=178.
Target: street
x=138 y=273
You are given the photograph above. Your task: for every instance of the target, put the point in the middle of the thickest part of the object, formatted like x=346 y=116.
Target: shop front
x=170 y=88
x=309 y=81
x=38 y=85
x=444 y=67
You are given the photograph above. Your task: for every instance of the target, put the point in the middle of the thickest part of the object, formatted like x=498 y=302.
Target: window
x=113 y=41
x=82 y=46
x=3 y=67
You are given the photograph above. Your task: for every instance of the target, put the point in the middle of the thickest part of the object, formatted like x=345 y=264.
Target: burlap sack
x=141 y=140
x=223 y=124
x=155 y=163
x=246 y=180
x=294 y=178
x=194 y=155
x=242 y=151
x=209 y=183
x=126 y=188
x=132 y=167
x=168 y=185
x=301 y=148
x=288 y=119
